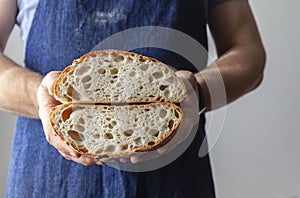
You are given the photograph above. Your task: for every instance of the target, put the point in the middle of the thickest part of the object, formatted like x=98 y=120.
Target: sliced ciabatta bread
x=107 y=132
x=116 y=76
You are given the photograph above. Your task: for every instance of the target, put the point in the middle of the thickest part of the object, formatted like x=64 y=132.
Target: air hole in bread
x=108 y=118
x=124 y=147
x=153 y=60
x=151 y=143
x=163 y=113
x=119 y=59
x=81 y=121
x=83 y=149
x=154 y=132
x=110 y=148
x=110 y=126
x=114 y=71
x=101 y=71
x=87 y=85
x=86 y=79
x=144 y=67
x=80 y=128
x=99 y=152
x=64 y=80
x=158 y=75
x=74 y=135
x=132 y=74
x=176 y=114
x=151 y=79
x=113 y=54
x=142 y=59
x=82 y=70
x=108 y=136
x=70 y=90
x=66 y=113
x=163 y=87
x=166 y=93
x=73 y=93
x=137 y=140
x=114 y=123
x=111 y=81
x=129 y=60
x=128 y=133
x=170 y=80
x=171 y=124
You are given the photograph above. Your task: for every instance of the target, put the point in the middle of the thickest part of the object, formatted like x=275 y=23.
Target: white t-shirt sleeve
x=25 y=16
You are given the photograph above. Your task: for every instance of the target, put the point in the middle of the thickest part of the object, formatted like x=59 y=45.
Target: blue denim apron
x=64 y=30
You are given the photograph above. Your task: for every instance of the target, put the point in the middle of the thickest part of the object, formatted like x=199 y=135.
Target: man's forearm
x=18 y=89
x=241 y=70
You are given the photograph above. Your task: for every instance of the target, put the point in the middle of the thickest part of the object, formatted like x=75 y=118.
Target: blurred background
x=258 y=152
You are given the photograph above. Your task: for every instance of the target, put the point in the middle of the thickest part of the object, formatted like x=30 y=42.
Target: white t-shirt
x=24 y=18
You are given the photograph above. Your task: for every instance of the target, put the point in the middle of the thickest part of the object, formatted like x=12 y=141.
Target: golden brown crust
x=56 y=87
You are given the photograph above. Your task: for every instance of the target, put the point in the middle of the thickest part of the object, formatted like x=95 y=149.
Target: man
x=37 y=168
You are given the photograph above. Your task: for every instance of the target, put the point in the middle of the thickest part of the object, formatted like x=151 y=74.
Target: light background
x=258 y=153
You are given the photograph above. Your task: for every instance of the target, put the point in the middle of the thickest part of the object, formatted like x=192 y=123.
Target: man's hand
x=190 y=118
x=46 y=101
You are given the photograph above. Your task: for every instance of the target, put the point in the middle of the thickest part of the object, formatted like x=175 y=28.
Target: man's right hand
x=45 y=102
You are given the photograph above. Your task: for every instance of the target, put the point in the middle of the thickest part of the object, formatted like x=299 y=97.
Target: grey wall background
x=258 y=152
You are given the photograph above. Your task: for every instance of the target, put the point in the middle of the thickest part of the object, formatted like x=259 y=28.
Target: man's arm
x=240 y=49
x=18 y=86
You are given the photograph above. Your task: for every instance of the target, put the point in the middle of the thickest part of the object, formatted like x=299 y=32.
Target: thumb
x=45 y=94
x=49 y=81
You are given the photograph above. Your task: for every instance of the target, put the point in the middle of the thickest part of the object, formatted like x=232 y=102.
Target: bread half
x=107 y=132
x=113 y=76
x=116 y=103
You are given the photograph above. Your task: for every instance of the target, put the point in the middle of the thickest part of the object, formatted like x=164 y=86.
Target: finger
x=145 y=156
x=61 y=146
x=188 y=79
x=125 y=159
x=83 y=159
x=45 y=94
x=169 y=146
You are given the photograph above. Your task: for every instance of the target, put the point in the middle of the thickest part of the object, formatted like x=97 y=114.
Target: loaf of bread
x=116 y=76
x=105 y=131
x=116 y=103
